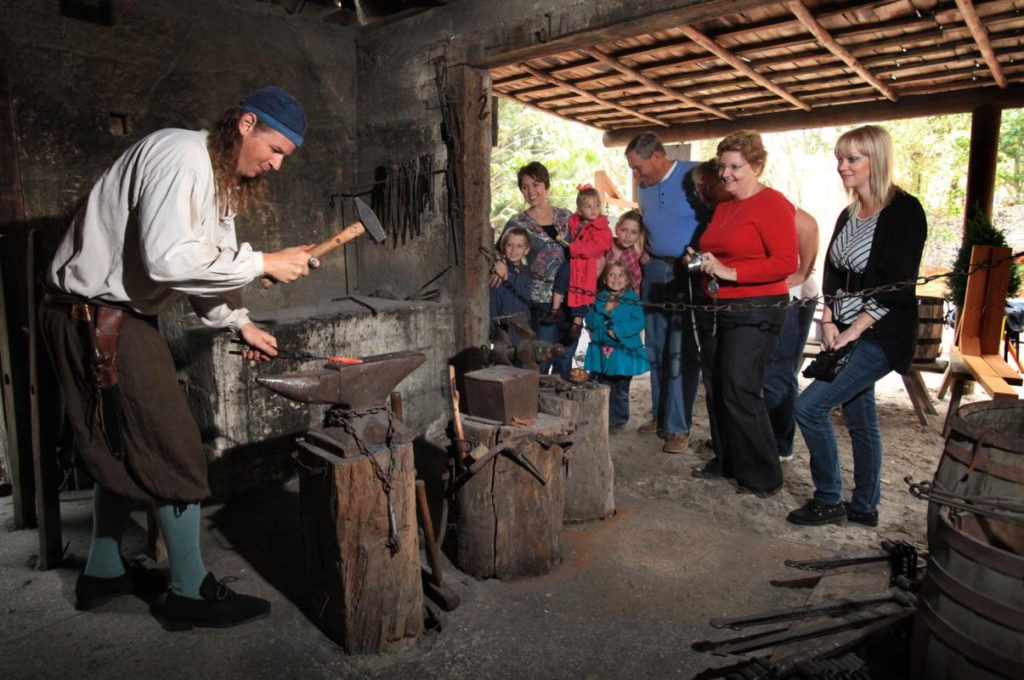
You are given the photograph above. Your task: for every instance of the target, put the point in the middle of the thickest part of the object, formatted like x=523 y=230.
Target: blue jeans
x=552 y=333
x=854 y=388
x=618 y=400
x=671 y=348
x=780 y=382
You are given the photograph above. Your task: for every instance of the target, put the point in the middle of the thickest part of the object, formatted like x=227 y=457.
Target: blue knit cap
x=278 y=109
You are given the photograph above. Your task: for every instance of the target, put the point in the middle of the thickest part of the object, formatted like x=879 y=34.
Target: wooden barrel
x=970 y=611
x=930 y=318
x=970 y=618
x=984 y=456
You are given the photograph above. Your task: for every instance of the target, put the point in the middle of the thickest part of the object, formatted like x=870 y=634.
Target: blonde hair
x=874 y=142
x=634 y=216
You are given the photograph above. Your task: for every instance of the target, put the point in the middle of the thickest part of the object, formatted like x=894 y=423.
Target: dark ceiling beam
x=694 y=34
x=827 y=116
x=825 y=38
x=980 y=34
x=653 y=84
x=583 y=93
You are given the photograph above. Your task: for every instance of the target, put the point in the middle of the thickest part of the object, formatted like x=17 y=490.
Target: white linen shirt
x=150 y=232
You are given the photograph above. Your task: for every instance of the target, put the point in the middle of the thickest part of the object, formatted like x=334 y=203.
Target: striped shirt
x=850 y=252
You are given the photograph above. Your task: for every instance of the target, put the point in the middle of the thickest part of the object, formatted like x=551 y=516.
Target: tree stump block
x=589 y=473
x=361 y=595
x=509 y=524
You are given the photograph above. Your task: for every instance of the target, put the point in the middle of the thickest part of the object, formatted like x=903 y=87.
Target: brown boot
x=677 y=442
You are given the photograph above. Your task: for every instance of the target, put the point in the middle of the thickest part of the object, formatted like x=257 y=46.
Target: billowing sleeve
x=776 y=226
x=174 y=246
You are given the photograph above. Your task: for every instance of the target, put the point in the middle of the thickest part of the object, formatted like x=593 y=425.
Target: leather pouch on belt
x=103 y=330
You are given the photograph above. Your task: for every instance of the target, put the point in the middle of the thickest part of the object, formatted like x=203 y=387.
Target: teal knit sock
x=180 y=524
x=110 y=515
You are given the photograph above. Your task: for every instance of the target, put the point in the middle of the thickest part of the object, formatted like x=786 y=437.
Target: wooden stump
x=361 y=595
x=589 y=473
x=509 y=524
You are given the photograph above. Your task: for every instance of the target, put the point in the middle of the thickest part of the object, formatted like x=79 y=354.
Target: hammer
x=366 y=224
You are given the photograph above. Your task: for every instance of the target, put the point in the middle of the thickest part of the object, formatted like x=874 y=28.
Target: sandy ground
x=629 y=597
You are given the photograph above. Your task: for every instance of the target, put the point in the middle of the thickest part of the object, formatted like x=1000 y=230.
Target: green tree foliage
x=1010 y=170
x=572 y=154
x=980 y=232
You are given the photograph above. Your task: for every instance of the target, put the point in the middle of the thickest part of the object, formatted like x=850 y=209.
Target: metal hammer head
x=369 y=220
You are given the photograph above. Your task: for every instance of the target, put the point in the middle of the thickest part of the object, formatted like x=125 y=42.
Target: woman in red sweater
x=748 y=250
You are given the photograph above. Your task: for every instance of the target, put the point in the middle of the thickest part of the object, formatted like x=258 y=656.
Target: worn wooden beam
x=583 y=93
x=981 y=162
x=15 y=380
x=980 y=34
x=908 y=107
x=470 y=87
x=825 y=38
x=653 y=84
x=508 y=45
x=694 y=34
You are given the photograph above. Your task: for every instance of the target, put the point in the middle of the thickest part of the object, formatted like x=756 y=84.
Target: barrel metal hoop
x=977 y=653
x=990 y=556
x=977 y=602
x=969 y=457
x=962 y=426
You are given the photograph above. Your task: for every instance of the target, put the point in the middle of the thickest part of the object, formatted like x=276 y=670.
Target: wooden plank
x=991 y=382
x=994 y=311
x=1002 y=369
x=45 y=468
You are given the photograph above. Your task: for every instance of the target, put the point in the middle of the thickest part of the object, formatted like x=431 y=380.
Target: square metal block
x=502 y=393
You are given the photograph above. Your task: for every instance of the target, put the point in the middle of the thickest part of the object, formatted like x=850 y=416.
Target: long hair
x=874 y=142
x=635 y=216
x=235 y=193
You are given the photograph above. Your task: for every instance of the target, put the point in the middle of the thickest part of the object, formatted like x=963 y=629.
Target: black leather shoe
x=868 y=519
x=814 y=512
x=220 y=607
x=708 y=471
x=92 y=591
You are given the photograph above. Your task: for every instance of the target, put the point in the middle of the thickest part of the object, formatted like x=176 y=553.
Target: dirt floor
x=630 y=596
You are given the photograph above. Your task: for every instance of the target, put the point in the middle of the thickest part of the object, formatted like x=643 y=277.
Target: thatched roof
x=783 y=65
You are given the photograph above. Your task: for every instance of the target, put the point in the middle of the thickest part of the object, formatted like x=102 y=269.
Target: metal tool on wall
x=406 y=190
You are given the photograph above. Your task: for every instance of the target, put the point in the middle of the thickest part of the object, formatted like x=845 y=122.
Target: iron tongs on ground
x=901 y=555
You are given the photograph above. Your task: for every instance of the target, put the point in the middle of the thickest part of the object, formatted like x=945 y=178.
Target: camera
x=696 y=259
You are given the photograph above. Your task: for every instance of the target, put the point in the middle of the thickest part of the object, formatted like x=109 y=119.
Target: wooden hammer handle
x=428 y=534
x=352 y=231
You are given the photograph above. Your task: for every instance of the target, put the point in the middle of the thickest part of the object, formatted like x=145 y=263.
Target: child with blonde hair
x=576 y=280
x=616 y=353
x=628 y=246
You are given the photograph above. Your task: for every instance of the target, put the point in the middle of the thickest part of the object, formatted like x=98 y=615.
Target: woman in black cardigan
x=878 y=240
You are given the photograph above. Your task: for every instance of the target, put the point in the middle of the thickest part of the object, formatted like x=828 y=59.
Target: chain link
x=811 y=302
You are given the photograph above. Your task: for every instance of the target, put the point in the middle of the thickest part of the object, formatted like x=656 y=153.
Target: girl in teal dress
x=616 y=352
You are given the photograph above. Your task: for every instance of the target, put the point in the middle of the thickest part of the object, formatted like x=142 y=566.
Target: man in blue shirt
x=672 y=215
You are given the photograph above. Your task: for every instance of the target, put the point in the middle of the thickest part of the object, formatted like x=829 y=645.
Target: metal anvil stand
x=358 y=504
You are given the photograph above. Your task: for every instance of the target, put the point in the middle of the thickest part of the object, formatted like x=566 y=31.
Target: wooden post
x=471 y=88
x=361 y=595
x=589 y=473
x=12 y=252
x=981 y=163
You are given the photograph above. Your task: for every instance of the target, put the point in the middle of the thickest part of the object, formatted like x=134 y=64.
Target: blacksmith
x=157 y=227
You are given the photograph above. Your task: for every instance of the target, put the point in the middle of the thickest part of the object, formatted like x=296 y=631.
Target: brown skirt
x=163 y=452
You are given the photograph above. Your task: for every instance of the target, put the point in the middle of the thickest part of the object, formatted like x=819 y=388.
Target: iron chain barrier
x=811 y=302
